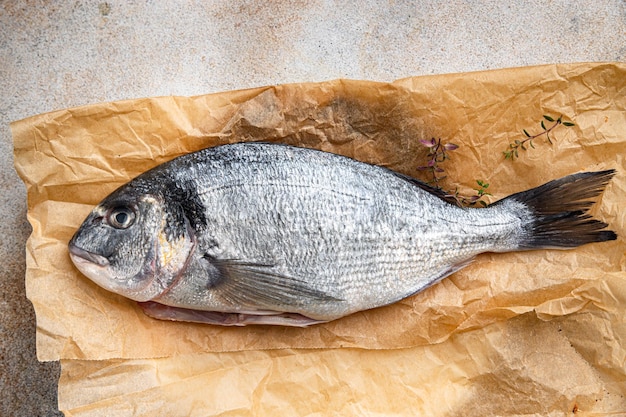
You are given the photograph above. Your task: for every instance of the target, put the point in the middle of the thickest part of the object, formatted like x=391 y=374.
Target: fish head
x=133 y=245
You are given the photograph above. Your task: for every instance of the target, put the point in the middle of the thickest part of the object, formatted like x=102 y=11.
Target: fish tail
x=559 y=217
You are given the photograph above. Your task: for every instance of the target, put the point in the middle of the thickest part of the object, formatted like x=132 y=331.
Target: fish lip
x=96 y=268
x=89 y=256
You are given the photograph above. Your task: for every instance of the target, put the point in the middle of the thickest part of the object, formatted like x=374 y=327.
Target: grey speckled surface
x=61 y=54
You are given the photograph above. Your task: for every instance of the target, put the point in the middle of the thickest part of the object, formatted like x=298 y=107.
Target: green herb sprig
x=481 y=191
x=512 y=151
x=438 y=153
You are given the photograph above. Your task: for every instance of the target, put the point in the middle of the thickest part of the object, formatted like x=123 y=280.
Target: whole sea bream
x=259 y=233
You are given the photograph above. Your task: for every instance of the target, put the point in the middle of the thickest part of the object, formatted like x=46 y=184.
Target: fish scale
x=261 y=233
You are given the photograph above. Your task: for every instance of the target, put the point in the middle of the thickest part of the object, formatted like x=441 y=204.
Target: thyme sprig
x=438 y=153
x=465 y=201
x=512 y=151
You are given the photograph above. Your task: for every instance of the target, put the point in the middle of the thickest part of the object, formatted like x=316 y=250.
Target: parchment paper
x=71 y=159
x=519 y=367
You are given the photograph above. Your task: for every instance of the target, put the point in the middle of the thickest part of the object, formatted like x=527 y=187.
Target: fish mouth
x=98 y=269
x=81 y=255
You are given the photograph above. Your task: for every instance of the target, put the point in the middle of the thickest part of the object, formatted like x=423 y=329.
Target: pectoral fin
x=259 y=286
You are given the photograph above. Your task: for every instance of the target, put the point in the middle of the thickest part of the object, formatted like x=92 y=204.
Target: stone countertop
x=55 y=55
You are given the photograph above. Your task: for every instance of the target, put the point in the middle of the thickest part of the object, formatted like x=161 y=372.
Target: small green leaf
x=569 y=124
x=548 y=118
x=526 y=133
x=549 y=140
x=523 y=147
x=482 y=203
x=543 y=125
x=531 y=144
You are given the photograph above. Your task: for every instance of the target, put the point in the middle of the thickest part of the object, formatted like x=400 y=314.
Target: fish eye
x=121 y=217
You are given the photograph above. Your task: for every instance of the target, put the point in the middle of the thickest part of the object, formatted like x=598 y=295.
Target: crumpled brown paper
x=71 y=159
x=519 y=367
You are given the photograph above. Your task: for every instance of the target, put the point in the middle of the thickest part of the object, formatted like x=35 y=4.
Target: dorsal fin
x=437 y=192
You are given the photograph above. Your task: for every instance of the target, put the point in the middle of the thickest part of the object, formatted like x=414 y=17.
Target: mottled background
x=57 y=54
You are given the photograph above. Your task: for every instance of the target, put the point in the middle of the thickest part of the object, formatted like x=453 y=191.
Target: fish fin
x=445 y=273
x=454 y=268
x=258 y=285
x=437 y=192
x=275 y=318
x=559 y=210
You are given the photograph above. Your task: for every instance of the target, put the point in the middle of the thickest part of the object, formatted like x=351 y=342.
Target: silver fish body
x=272 y=234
